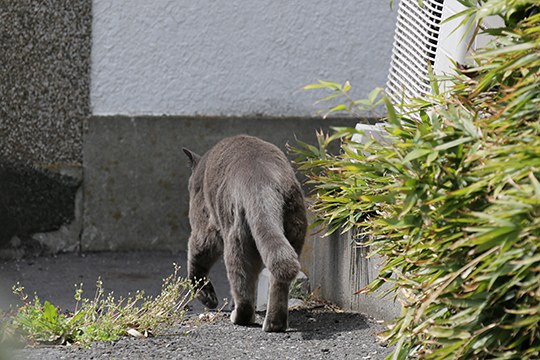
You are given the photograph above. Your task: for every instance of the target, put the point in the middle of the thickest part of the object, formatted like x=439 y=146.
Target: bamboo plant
x=451 y=199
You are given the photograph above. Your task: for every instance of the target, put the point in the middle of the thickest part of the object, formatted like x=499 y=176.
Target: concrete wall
x=189 y=73
x=69 y=68
x=136 y=175
x=44 y=99
x=44 y=80
x=337 y=267
x=235 y=57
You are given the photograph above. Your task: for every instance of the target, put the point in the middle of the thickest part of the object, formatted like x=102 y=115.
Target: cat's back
x=247 y=157
x=245 y=150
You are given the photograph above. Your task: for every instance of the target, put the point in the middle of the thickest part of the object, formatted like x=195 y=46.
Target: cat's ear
x=193 y=158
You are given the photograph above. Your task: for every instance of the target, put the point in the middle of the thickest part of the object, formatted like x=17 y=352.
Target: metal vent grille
x=415 y=48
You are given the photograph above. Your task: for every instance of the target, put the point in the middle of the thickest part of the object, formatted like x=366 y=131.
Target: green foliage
x=451 y=198
x=350 y=105
x=102 y=318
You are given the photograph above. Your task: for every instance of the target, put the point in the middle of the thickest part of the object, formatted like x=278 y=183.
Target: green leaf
x=79 y=315
x=448 y=351
x=409 y=203
x=509 y=49
x=535 y=183
x=416 y=153
x=451 y=333
x=340 y=107
x=374 y=94
x=50 y=313
x=452 y=144
x=329 y=97
x=324 y=85
x=530 y=320
x=391 y=116
x=492 y=238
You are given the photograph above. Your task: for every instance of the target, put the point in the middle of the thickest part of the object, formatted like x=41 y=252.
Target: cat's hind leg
x=277 y=312
x=295 y=225
x=203 y=252
x=243 y=264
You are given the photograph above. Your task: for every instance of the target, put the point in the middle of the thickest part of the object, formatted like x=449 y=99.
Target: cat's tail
x=265 y=219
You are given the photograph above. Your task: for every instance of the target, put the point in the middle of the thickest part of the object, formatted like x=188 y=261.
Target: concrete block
x=337 y=266
x=375 y=131
x=136 y=175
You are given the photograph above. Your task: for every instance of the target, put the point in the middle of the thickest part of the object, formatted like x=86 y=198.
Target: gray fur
x=246 y=204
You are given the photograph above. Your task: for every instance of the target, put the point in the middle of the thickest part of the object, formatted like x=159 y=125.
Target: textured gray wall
x=44 y=100
x=234 y=57
x=44 y=79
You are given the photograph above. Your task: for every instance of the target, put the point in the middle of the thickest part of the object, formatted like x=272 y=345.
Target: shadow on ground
x=319 y=325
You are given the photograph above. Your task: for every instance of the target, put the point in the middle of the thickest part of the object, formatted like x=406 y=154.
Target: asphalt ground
x=54 y=278
x=317 y=331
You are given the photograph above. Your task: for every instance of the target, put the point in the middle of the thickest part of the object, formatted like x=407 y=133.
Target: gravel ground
x=319 y=333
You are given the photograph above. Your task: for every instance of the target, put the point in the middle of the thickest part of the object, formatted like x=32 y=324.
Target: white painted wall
x=209 y=57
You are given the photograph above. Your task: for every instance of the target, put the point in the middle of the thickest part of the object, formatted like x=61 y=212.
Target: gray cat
x=246 y=204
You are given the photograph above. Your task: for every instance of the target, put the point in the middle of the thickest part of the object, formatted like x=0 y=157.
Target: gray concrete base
x=337 y=268
x=136 y=175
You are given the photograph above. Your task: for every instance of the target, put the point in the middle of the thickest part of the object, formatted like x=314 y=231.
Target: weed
x=102 y=318
x=298 y=290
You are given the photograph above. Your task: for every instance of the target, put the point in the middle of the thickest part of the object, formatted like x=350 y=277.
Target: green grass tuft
x=101 y=318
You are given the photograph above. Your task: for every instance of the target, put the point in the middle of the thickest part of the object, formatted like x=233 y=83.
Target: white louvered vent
x=422 y=39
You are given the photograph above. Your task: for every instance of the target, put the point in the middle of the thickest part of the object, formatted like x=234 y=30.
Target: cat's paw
x=243 y=315
x=207 y=296
x=275 y=325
